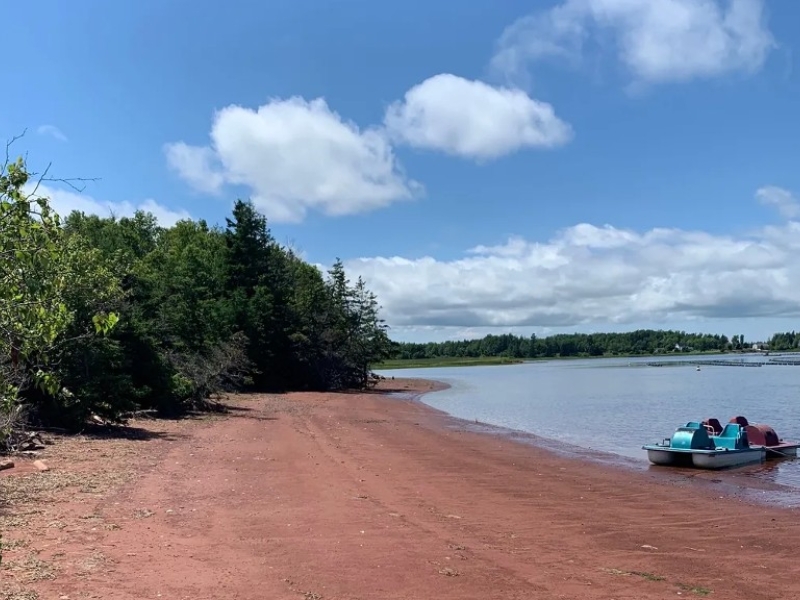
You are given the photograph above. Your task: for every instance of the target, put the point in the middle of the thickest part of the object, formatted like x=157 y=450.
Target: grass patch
x=96 y=561
x=32 y=568
x=143 y=513
x=642 y=574
x=45 y=487
x=6 y=545
x=694 y=589
x=445 y=361
x=17 y=593
x=649 y=576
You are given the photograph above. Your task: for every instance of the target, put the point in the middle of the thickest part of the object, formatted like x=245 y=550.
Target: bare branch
x=68 y=181
x=10 y=143
x=36 y=187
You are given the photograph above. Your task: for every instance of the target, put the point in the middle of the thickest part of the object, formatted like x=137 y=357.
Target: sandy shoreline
x=360 y=496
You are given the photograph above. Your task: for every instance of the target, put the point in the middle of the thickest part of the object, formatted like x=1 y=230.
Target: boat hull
x=667 y=457
x=721 y=459
x=785 y=450
x=704 y=459
x=661 y=457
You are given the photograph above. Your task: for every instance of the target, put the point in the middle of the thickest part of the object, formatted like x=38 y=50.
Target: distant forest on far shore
x=643 y=341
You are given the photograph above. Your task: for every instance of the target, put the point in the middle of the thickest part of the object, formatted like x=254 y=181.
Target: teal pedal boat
x=693 y=445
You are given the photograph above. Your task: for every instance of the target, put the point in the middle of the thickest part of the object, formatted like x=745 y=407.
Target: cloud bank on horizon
x=588 y=276
x=65 y=202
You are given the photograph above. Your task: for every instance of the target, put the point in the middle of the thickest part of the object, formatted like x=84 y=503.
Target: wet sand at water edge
x=365 y=496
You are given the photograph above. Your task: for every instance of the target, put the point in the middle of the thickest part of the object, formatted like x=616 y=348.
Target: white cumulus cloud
x=294 y=155
x=196 y=165
x=52 y=131
x=472 y=119
x=66 y=201
x=657 y=40
x=587 y=275
x=782 y=200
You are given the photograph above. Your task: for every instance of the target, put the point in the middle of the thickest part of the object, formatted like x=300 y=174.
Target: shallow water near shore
x=615 y=406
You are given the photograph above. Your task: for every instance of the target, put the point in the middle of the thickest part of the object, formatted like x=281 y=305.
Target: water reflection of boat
x=693 y=445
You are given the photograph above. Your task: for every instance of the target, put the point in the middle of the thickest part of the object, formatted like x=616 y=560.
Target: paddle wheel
x=759 y=434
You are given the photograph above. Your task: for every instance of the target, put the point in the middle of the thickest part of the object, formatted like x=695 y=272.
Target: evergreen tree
x=252 y=281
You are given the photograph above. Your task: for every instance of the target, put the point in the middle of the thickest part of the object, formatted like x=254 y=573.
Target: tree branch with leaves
x=40 y=268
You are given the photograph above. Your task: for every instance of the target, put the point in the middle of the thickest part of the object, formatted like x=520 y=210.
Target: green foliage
x=785 y=342
x=303 y=331
x=43 y=273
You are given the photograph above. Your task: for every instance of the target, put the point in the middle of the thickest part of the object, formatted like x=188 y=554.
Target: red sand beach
x=362 y=496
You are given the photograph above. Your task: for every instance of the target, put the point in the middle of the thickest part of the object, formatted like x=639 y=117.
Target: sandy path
x=362 y=497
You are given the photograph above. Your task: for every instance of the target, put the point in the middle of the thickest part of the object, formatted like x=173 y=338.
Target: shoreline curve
x=737 y=483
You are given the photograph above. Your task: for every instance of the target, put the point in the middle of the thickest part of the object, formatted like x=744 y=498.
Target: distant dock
x=786 y=362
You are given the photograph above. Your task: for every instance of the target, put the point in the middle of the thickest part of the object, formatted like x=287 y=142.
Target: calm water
x=608 y=405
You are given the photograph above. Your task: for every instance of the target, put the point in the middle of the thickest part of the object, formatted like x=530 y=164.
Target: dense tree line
x=782 y=342
x=644 y=341
x=105 y=316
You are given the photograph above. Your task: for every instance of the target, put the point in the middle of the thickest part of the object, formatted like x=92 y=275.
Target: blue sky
x=515 y=166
